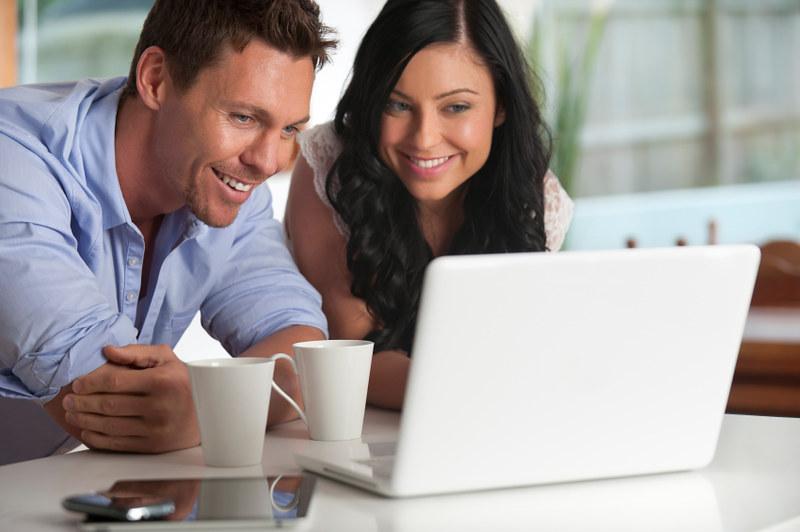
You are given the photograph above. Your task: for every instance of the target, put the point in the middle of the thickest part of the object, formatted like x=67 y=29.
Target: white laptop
x=535 y=368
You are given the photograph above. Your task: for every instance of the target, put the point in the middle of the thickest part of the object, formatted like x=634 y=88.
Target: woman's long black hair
x=504 y=201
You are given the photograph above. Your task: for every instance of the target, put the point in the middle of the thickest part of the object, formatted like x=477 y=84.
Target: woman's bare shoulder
x=319 y=249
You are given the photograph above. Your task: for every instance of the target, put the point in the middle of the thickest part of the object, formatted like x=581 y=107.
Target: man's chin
x=217 y=220
x=218 y=224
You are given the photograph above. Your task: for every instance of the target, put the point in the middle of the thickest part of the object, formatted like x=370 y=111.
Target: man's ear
x=152 y=77
x=499 y=116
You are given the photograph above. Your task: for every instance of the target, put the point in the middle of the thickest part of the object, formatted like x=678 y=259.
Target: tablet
x=216 y=503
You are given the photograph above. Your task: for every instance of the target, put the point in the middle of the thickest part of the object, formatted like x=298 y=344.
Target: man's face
x=233 y=128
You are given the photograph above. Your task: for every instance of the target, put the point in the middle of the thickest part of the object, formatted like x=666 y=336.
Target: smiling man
x=126 y=205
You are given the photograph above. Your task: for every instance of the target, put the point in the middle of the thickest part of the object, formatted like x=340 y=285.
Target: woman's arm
x=387 y=379
x=320 y=252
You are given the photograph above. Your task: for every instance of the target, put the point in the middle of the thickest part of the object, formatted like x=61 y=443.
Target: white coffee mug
x=242 y=498
x=334 y=375
x=222 y=498
x=231 y=397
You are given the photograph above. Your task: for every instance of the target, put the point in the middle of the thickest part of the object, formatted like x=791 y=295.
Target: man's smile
x=232 y=182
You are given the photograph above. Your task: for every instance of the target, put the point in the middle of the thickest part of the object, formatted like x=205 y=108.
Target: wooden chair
x=767 y=378
x=778 y=281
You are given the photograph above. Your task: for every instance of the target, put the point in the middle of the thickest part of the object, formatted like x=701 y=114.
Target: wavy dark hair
x=503 y=202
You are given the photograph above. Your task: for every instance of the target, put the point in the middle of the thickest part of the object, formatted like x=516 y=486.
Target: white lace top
x=320 y=147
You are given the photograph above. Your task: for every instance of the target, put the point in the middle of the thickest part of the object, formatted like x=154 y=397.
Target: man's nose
x=262 y=155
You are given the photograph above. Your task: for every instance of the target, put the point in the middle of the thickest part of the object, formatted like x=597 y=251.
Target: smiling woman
x=437 y=148
x=437 y=129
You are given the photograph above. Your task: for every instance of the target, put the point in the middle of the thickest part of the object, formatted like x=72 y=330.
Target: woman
x=437 y=148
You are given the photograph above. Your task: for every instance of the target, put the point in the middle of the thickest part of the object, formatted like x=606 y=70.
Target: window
x=70 y=39
x=689 y=110
x=691 y=93
x=678 y=94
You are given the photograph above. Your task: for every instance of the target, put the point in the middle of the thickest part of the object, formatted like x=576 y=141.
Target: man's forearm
x=281 y=342
x=55 y=410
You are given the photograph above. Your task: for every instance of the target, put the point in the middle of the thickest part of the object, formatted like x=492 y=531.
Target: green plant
x=569 y=101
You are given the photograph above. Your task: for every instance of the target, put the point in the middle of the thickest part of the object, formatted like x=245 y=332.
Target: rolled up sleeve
x=260 y=290
x=54 y=320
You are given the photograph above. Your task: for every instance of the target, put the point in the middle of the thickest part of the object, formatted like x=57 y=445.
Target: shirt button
x=133 y=261
x=130 y=297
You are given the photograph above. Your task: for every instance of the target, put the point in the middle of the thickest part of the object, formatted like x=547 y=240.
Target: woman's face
x=436 y=130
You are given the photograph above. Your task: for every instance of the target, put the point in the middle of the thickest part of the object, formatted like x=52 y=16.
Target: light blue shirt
x=71 y=258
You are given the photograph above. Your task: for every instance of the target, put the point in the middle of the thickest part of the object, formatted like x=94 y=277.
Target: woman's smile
x=437 y=127
x=430 y=167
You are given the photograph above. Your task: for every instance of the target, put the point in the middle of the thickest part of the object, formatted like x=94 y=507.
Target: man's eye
x=241 y=119
x=290 y=131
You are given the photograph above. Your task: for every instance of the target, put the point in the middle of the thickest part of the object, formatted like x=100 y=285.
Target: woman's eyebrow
x=438 y=96
x=456 y=91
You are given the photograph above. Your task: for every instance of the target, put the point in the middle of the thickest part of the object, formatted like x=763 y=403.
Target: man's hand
x=141 y=401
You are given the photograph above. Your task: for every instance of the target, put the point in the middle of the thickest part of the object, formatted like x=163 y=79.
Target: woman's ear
x=499 y=116
x=152 y=76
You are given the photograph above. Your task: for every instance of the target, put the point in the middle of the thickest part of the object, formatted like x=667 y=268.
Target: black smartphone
x=120 y=507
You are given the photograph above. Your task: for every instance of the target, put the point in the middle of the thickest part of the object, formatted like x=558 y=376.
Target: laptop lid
x=537 y=367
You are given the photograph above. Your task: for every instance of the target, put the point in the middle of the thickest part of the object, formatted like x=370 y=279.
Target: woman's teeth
x=429 y=163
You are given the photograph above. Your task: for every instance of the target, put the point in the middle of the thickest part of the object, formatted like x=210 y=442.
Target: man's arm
x=141 y=400
x=56 y=411
x=55 y=317
x=262 y=304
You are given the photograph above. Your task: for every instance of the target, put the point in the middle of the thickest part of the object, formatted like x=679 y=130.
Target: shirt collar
x=99 y=153
x=193 y=227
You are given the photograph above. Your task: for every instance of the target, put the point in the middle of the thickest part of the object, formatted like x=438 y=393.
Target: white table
x=753 y=484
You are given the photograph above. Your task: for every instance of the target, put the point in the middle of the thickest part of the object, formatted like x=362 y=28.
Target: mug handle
x=280 y=391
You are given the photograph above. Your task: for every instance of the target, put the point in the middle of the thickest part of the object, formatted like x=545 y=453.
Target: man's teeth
x=429 y=163
x=236 y=185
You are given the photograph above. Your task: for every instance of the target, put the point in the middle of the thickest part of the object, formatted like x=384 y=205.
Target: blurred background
x=675 y=121
x=669 y=116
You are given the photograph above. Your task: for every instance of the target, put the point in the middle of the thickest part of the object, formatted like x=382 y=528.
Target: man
x=126 y=206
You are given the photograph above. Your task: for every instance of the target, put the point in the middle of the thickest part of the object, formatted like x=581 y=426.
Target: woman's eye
x=395 y=106
x=457 y=108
